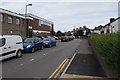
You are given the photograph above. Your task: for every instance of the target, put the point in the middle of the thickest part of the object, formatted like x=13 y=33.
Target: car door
x=9 y=49
x=2 y=46
x=53 y=41
x=37 y=43
x=40 y=42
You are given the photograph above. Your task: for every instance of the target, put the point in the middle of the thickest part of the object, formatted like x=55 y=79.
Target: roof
x=1 y=36
x=116 y=19
x=37 y=17
x=13 y=13
x=110 y=22
x=98 y=28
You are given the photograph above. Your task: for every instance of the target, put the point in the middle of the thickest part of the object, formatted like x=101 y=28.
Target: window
x=44 y=23
x=53 y=39
x=1 y=17
x=23 y=22
x=40 y=39
x=10 y=19
x=36 y=40
x=17 y=21
x=39 y=23
x=2 y=42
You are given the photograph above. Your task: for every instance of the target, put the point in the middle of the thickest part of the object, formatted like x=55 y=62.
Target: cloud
x=66 y=15
x=59 y=0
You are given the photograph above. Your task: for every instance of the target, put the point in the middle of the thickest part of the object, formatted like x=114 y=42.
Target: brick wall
x=13 y=28
x=36 y=26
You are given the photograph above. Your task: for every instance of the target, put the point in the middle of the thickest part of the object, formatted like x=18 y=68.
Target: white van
x=10 y=45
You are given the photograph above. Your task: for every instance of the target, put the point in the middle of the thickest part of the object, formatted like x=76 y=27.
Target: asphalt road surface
x=40 y=64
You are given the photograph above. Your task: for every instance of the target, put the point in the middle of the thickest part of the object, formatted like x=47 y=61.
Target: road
x=40 y=64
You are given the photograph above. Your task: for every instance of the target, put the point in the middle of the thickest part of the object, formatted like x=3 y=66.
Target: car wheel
x=50 y=46
x=33 y=50
x=55 y=44
x=42 y=47
x=19 y=54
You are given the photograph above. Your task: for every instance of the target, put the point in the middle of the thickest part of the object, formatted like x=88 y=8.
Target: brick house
x=12 y=23
x=40 y=26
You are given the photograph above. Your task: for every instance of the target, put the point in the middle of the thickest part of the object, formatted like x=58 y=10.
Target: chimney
x=112 y=19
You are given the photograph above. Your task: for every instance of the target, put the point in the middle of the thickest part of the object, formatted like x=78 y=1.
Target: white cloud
x=59 y=0
x=66 y=15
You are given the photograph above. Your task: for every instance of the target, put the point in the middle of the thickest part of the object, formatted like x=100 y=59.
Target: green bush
x=108 y=45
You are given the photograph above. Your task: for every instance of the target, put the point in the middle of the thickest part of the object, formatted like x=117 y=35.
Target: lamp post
x=27 y=31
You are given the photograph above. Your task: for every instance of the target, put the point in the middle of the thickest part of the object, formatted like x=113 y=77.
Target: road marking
x=79 y=76
x=67 y=66
x=59 y=69
x=56 y=76
x=32 y=59
x=21 y=64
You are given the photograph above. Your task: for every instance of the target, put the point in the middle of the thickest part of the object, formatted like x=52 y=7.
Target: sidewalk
x=85 y=64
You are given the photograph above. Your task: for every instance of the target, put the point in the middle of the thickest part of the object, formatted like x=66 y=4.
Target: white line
x=67 y=66
x=21 y=64
x=32 y=59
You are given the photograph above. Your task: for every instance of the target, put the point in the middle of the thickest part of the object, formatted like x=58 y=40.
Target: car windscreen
x=29 y=41
x=64 y=37
x=2 y=42
x=46 y=39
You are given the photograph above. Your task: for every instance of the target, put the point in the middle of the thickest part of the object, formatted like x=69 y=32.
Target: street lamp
x=26 y=18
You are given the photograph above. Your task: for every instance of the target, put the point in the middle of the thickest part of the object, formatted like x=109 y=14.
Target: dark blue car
x=32 y=44
x=49 y=42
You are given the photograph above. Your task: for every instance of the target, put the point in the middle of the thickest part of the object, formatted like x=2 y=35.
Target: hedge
x=108 y=45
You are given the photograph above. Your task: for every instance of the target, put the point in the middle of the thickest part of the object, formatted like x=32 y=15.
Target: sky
x=68 y=15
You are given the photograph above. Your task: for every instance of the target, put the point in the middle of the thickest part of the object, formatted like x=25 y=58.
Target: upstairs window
x=17 y=21
x=45 y=23
x=1 y=17
x=10 y=19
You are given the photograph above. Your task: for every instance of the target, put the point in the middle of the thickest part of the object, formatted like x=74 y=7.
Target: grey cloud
x=66 y=15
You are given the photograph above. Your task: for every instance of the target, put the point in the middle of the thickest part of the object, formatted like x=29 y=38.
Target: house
x=98 y=30
x=27 y=26
x=41 y=26
x=115 y=25
x=112 y=26
x=13 y=23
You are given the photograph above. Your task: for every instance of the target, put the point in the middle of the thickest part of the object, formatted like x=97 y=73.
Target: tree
x=53 y=32
x=59 y=33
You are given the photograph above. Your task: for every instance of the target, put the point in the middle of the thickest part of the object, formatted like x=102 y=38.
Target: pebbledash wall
x=15 y=24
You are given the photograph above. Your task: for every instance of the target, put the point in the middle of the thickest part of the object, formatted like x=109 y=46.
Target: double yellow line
x=80 y=76
x=59 y=69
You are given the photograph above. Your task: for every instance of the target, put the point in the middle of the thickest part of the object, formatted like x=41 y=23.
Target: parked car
x=56 y=38
x=32 y=44
x=41 y=37
x=70 y=38
x=49 y=42
x=64 y=39
x=23 y=38
x=60 y=37
x=10 y=45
